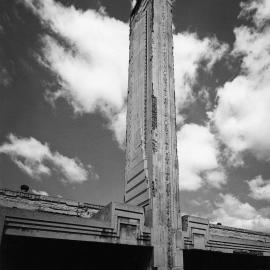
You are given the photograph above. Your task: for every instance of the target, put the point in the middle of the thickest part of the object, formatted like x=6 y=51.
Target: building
x=147 y=230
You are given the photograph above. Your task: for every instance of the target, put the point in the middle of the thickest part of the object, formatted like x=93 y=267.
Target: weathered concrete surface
x=151 y=175
x=199 y=234
x=117 y=223
x=25 y=214
x=30 y=201
x=151 y=215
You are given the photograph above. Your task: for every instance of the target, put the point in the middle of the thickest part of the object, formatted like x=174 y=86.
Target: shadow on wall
x=54 y=254
x=205 y=260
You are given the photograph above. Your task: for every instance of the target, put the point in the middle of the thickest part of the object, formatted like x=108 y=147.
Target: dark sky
x=25 y=112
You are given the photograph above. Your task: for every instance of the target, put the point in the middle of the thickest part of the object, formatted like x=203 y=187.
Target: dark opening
x=202 y=260
x=53 y=254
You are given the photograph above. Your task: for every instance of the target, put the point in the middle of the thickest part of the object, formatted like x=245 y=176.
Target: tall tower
x=151 y=173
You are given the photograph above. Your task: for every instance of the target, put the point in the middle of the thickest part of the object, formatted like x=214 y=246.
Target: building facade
x=151 y=174
x=146 y=231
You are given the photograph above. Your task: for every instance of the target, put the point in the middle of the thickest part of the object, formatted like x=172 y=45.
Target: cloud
x=133 y=3
x=118 y=126
x=190 y=53
x=40 y=192
x=260 y=188
x=242 y=116
x=37 y=160
x=261 y=9
x=198 y=158
x=93 y=71
x=232 y=212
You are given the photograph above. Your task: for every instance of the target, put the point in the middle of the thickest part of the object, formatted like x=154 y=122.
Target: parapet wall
x=198 y=233
x=30 y=215
x=27 y=214
x=30 y=201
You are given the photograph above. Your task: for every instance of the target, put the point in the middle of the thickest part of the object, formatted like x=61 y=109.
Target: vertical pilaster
x=152 y=164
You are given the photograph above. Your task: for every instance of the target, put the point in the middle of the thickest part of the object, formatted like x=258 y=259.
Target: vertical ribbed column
x=136 y=186
x=151 y=177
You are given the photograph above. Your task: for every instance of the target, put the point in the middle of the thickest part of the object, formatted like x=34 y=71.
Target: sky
x=63 y=89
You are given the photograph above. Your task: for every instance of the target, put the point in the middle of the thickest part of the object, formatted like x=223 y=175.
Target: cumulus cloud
x=93 y=71
x=261 y=9
x=118 y=126
x=189 y=54
x=242 y=115
x=198 y=158
x=40 y=192
x=37 y=160
x=133 y=3
x=259 y=188
x=232 y=212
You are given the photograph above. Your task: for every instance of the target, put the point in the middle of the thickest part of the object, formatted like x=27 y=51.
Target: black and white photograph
x=135 y=134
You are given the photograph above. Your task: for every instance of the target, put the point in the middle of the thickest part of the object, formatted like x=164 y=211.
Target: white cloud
x=242 y=116
x=260 y=188
x=232 y=212
x=261 y=9
x=189 y=52
x=133 y=3
x=40 y=192
x=93 y=74
x=118 y=126
x=198 y=158
x=36 y=159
